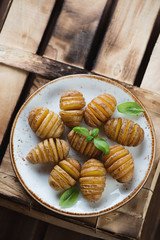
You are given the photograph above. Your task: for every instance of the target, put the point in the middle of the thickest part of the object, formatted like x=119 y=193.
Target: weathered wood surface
x=126 y=39
x=151 y=78
x=36 y=64
x=132 y=213
x=23 y=28
x=74 y=31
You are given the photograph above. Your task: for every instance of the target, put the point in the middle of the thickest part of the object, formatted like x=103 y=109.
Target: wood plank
x=36 y=64
x=126 y=39
x=22 y=31
x=18 y=226
x=152 y=75
x=4 y=8
x=74 y=31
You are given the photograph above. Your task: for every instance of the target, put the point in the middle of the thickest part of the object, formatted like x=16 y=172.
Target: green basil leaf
x=89 y=138
x=69 y=197
x=130 y=108
x=82 y=130
x=101 y=144
x=95 y=131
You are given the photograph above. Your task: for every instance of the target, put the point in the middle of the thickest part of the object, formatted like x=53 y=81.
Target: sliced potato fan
x=64 y=175
x=92 y=180
x=72 y=100
x=119 y=163
x=78 y=142
x=72 y=118
x=45 y=123
x=49 y=150
x=124 y=132
x=99 y=110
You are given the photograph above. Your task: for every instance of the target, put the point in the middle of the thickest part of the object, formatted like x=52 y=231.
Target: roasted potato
x=78 y=143
x=72 y=118
x=72 y=100
x=49 y=150
x=64 y=175
x=92 y=180
x=119 y=163
x=99 y=110
x=45 y=123
x=124 y=132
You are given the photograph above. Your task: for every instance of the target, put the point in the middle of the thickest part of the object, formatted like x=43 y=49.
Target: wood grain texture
x=152 y=74
x=126 y=39
x=36 y=64
x=22 y=31
x=74 y=31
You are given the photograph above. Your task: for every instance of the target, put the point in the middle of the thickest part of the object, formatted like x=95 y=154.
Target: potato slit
x=109 y=105
x=101 y=109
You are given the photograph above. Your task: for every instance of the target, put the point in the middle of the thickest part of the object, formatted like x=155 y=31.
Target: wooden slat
x=151 y=78
x=36 y=64
x=126 y=39
x=74 y=31
x=23 y=28
x=18 y=226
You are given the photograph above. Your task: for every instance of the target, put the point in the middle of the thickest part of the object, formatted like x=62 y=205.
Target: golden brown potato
x=99 y=110
x=78 y=143
x=49 y=150
x=92 y=180
x=124 y=132
x=119 y=163
x=64 y=175
x=72 y=100
x=45 y=123
x=72 y=118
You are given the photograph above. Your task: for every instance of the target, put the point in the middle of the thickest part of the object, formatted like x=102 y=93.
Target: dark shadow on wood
x=150 y=46
x=4 y=9
x=100 y=33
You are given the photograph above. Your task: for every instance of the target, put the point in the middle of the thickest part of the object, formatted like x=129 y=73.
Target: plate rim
x=126 y=199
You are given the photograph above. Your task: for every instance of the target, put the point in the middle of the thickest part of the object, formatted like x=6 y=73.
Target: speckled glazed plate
x=34 y=178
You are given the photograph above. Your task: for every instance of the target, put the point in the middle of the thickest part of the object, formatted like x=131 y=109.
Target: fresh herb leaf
x=82 y=130
x=69 y=197
x=130 y=108
x=101 y=144
x=89 y=138
x=95 y=131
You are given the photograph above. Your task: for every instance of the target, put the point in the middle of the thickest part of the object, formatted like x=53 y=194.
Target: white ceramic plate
x=34 y=178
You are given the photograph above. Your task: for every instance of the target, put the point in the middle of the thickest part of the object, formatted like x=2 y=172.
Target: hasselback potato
x=72 y=118
x=72 y=100
x=49 y=150
x=92 y=180
x=45 y=123
x=99 y=110
x=78 y=143
x=119 y=163
x=124 y=132
x=64 y=175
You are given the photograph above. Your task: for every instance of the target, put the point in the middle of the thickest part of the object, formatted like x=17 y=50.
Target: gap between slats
x=150 y=46
x=4 y=9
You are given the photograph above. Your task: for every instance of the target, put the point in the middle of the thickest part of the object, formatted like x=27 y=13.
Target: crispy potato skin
x=72 y=100
x=119 y=163
x=64 y=175
x=78 y=143
x=99 y=110
x=126 y=133
x=92 y=180
x=49 y=150
x=72 y=118
x=45 y=123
